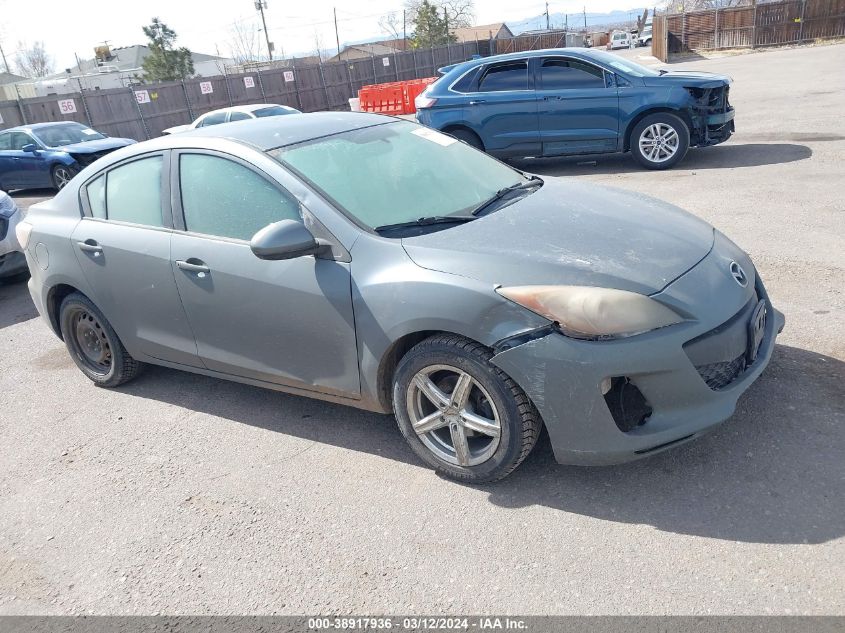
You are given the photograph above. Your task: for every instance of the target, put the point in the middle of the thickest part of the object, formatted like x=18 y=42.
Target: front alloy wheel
x=461 y=414
x=61 y=176
x=453 y=415
x=660 y=140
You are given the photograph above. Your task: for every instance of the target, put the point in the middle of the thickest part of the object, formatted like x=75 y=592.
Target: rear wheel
x=660 y=141
x=461 y=414
x=467 y=136
x=93 y=344
x=61 y=176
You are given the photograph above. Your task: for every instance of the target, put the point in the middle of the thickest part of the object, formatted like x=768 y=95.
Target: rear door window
x=569 y=74
x=129 y=193
x=239 y=116
x=506 y=76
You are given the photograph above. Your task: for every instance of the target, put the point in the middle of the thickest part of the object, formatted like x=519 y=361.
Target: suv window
x=226 y=199
x=507 y=76
x=563 y=74
x=133 y=192
x=213 y=119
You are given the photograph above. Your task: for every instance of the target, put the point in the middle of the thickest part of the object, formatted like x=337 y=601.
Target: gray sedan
x=372 y=262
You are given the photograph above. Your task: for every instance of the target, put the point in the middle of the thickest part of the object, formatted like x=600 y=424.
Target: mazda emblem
x=739 y=274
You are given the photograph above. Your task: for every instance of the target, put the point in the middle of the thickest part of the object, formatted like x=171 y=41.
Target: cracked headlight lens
x=587 y=312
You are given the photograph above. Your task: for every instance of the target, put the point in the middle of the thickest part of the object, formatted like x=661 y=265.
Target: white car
x=620 y=39
x=234 y=113
x=645 y=36
x=12 y=260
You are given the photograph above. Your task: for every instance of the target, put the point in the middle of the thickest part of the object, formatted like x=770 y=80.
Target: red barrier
x=396 y=97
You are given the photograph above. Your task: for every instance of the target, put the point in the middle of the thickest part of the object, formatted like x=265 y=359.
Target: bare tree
x=33 y=61
x=391 y=24
x=319 y=51
x=245 y=43
x=461 y=13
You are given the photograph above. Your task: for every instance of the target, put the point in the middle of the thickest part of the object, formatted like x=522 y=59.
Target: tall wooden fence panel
x=766 y=24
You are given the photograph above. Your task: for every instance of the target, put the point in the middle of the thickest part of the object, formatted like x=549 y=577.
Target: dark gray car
x=372 y=262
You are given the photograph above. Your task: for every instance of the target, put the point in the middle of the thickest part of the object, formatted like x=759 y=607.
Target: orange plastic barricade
x=396 y=97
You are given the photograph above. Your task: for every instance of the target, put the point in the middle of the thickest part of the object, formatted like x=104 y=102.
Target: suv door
x=123 y=247
x=578 y=107
x=504 y=109
x=288 y=322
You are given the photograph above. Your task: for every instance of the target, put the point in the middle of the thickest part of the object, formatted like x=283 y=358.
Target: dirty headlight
x=588 y=312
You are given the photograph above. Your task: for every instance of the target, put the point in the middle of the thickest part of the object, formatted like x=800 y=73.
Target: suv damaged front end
x=705 y=100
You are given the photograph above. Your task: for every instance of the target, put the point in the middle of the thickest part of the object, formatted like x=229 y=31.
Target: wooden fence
x=757 y=25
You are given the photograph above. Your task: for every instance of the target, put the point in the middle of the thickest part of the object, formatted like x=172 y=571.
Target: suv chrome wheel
x=659 y=142
x=453 y=415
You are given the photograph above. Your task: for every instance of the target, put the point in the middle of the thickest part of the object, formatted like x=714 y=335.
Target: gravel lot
x=184 y=494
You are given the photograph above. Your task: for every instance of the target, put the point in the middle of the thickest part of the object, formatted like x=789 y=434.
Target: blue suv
x=560 y=102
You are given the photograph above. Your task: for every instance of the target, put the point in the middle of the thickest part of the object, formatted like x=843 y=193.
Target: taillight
x=22 y=231
x=422 y=102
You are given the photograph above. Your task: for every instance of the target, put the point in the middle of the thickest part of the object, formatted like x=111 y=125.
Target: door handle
x=193 y=266
x=90 y=246
x=552 y=98
x=476 y=101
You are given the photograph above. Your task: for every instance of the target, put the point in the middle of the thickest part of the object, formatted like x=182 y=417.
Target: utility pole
x=3 y=55
x=585 y=18
x=404 y=32
x=547 y=16
x=446 y=20
x=336 y=36
x=261 y=5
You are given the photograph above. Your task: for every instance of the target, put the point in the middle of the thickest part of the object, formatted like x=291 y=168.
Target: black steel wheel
x=93 y=344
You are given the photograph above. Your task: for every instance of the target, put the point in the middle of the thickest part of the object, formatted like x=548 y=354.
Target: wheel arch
x=678 y=112
x=395 y=352
x=55 y=296
x=453 y=127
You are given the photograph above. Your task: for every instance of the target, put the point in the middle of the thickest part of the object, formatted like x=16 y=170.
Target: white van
x=620 y=39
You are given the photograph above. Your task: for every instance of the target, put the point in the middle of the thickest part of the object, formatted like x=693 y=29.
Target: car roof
x=272 y=132
x=472 y=63
x=39 y=126
x=249 y=107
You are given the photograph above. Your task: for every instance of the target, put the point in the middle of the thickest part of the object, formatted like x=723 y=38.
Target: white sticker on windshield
x=89 y=132
x=434 y=136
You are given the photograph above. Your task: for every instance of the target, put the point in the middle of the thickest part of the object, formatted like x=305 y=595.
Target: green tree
x=431 y=27
x=165 y=62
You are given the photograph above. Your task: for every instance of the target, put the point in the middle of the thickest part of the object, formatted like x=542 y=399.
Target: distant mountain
x=576 y=20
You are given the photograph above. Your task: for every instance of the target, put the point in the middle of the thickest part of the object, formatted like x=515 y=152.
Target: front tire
x=659 y=141
x=93 y=344
x=61 y=175
x=461 y=414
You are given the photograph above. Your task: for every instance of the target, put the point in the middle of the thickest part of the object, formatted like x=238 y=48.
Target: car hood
x=571 y=234
x=693 y=79
x=97 y=145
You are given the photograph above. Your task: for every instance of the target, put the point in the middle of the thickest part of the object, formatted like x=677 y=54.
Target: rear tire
x=467 y=136
x=93 y=344
x=484 y=426
x=659 y=141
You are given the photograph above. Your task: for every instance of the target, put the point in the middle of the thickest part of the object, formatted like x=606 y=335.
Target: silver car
x=12 y=260
x=373 y=262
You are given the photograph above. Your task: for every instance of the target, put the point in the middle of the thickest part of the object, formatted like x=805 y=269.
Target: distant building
x=115 y=68
x=496 y=31
x=361 y=51
x=9 y=78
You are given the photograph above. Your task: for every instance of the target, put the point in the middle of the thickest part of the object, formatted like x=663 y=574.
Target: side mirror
x=30 y=147
x=286 y=239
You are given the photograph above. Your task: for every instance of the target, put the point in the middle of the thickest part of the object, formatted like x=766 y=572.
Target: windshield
x=66 y=134
x=624 y=65
x=398 y=172
x=273 y=111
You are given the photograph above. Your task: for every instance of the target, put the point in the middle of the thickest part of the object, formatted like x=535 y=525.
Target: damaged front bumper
x=662 y=388
x=712 y=116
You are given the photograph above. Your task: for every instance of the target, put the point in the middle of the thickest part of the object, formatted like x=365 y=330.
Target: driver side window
x=226 y=199
x=20 y=140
